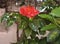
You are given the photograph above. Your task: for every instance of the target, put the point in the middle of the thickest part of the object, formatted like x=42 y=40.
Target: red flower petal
x=28 y=11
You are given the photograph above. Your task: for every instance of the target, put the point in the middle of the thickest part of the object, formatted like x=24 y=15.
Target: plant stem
x=17 y=33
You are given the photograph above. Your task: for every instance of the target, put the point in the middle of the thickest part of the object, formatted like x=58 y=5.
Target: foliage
x=36 y=26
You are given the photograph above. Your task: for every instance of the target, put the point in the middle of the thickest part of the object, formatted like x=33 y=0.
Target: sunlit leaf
x=46 y=16
x=56 y=12
x=48 y=27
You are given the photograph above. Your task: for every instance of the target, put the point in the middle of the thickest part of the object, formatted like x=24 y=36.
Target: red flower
x=28 y=11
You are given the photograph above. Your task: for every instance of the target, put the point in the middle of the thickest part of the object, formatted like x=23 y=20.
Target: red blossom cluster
x=28 y=11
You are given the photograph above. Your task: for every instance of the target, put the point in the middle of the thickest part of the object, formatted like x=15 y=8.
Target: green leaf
x=56 y=12
x=39 y=23
x=57 y=20
x=33 y=26
x=36 y=24
x=57 y=41
x=46 y=16
x=23 y=24
x=43 y=41
x=53 y=36
x=10 y=22
x=16 y=17
x=33 y=41
x=28 y=32
x=26 y=42
x=48 y=27
x=5 y=17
